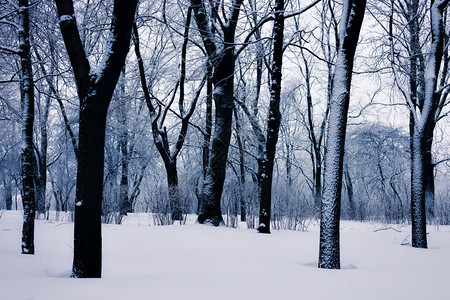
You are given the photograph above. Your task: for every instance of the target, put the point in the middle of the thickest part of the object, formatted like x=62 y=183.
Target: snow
x=205 y=262
x=66 y=18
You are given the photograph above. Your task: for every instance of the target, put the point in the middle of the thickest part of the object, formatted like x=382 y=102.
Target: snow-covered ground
x=203 y=262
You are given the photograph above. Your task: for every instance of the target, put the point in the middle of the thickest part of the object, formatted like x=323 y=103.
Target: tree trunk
x=27 y=99
x=8 y=192
x=124 y=201
x=222 y=60
x=95 y=90
x=429 y=175
x=418 y=213
x=242 y=203
x=88 y=206
x=422 y=135
x=41 y=169
x=351 y=21
x=210 y=211
x=174 y=194
x=349 y=186
x=274 y=120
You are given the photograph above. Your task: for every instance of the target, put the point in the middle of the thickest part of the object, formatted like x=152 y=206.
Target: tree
x=221 y=55
x=273 y=121
x=426 y=95
x=158 y=118
x=422 y=130
x=351 y=21
x=95 y=90
x=27 y=99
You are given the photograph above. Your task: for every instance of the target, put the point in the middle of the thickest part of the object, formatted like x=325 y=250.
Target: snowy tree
x=159 y=121
x=425 y=91
x=221 y=55
x=95 y=90
x=27 y=98
x=351 y=21
x=273 y=121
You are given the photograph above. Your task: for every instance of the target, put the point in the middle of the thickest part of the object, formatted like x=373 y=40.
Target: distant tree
x=351 y=21
x=376 y=160
x=95 y=90
x=158 y=116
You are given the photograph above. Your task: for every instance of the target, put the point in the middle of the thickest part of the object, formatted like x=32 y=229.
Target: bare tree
x=95 y=90
x=426 y=94
x=27 y=98
x=221 y=55
x=273 y=121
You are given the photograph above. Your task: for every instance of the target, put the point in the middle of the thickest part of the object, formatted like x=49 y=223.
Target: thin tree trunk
x=27 y=99
x=351 y=21
x=273 y=123
x=242 y=203
x=349 y=186
x=124 y=200
x=41 y=170
x=8 y=192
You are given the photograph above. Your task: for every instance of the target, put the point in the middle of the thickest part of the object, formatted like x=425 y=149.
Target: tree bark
x=27 y=155
x=351 y=21
x=95 y=90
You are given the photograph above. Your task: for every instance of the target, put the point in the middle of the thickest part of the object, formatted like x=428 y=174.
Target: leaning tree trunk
x=95 y=90
x=27 y=159
x=351 y=21
x=273 y=123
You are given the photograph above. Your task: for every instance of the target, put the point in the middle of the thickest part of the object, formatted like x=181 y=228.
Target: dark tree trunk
x=210 y=211
x=174 y=195
x=41 y=161
x=8 y=192
x=124 y=200
x=95 y=91
x=273 y=123
x=351 y=21
x=27 y=99
x=223 y=63
x=429 y=176
x=349 y=187
x=242 y=203
x=88 y=206
x=206 y=136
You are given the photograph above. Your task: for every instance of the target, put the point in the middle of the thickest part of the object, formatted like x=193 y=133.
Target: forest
x=276 y=114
